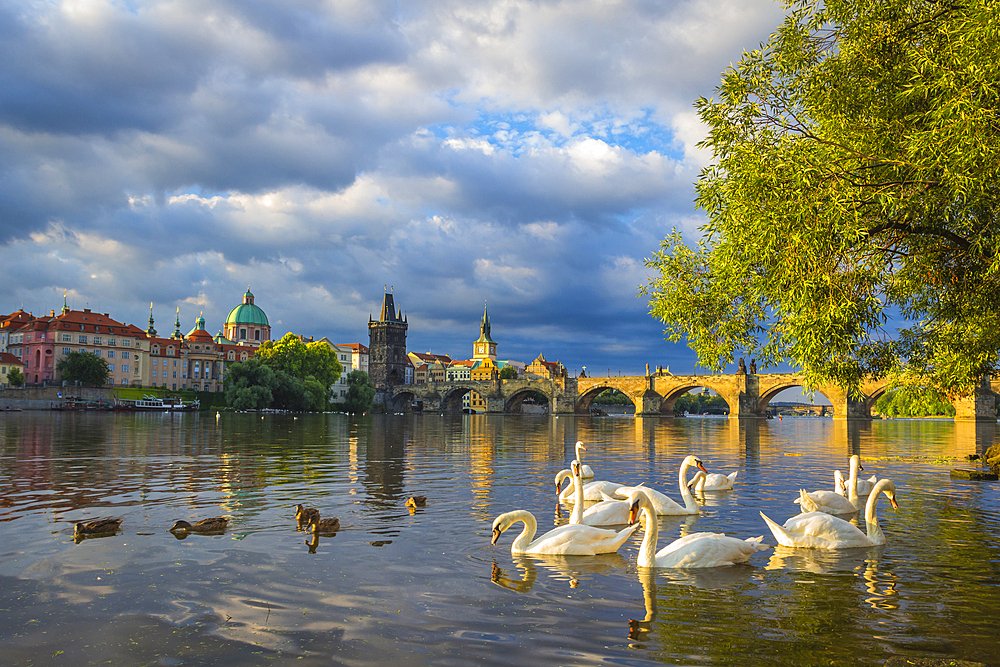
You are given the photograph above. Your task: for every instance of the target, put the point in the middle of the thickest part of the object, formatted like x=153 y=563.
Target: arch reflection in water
x=573 y=570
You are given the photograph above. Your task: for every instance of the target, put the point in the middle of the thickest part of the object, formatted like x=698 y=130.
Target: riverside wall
x=47 y=398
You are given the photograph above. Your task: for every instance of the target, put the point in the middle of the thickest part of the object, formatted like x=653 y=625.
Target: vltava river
x=425 y=586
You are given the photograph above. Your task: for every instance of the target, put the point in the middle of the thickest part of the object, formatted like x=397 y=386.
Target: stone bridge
x=747 y=395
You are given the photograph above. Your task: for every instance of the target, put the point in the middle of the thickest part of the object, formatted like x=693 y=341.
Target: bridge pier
x=980 y=406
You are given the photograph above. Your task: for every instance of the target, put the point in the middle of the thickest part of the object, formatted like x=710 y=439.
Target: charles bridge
x=747 y=394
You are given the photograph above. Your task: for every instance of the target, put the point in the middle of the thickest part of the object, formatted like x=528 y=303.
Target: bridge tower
x=387 y=347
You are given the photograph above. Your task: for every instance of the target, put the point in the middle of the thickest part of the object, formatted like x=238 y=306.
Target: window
x=154 y=373
x=124 y=368
x=175 y=376
x=111 y=368
x=97 y=340
x=111 y=354
x=67 y=350
x=66 y=338
x=175 y=365
x=124 y=380
x=154 y=362
x=170 y=352
x=127 y=342
x=81 y=339
x=256 y=334
x=125 y=354
x=231 y=356
x=97 y=353
x=243 y=334
x=111 y=341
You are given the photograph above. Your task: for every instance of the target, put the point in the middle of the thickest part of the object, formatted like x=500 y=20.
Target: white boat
x=154 y=404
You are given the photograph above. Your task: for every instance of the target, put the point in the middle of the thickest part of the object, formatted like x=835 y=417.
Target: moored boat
x=154 y=404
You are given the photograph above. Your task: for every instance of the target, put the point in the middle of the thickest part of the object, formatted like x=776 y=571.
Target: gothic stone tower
x=387 y=346
x=484 y=347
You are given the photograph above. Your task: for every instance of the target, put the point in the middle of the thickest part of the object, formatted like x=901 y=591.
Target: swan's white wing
x=591 y=491
x=818 y=530
x=825 y=501
x=716 y=482
x=706 y=550
x=607 y=513
x=579 y=540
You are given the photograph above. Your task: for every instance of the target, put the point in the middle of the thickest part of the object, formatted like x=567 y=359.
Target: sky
x=523 y=155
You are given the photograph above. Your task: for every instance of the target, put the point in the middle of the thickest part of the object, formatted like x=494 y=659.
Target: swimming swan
x=591 y=490
x=695 y=550
x=713 y=481
x=662 y=504
x=568 y=540
x=587 y=472
x=818 y=530
x=830 y=502
x=865 y=486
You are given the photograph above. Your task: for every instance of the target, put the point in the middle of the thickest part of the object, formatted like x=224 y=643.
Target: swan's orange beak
x=860 y=467
x=633 y=513
x=496 y=536
x=701 y=467
x=895 y=505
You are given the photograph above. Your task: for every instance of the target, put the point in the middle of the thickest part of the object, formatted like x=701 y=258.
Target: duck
x=565 y=540
x=319 y=526
x=416 y=501
x=99 y=527
x=697 y=550
x=213 y=525
x=829 y=502
x=714 y=481
x=304 y=515
x=819 y=530
x=663 y=504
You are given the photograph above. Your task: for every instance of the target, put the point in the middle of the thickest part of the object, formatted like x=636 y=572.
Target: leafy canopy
x=83 y=367
x=301 y=360
x=15 y=377
x=360 y=393
x=855 y=182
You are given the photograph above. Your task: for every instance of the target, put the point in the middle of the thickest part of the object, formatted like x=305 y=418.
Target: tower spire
x=150 y=331
x=177 y=324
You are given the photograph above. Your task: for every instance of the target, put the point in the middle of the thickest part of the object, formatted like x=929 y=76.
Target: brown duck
x=416 y=501
x=305 y=515
x=213 y=525
x=99 y=527
x=320 y=526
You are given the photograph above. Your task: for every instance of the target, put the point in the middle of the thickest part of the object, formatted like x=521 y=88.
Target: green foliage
x=913 y=402
x=249 y=385
x=612 y=397
x=300 y=360
x=508 y=373
x=855 y=180
x=83 y=367
x=360 y=393
x=698 y=403
x=15 y=377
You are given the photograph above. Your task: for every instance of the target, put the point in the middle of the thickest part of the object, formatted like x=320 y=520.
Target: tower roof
x=247 y=312
x=484 y=328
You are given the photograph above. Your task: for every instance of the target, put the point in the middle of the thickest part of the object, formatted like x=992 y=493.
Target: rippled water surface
x=423 y=586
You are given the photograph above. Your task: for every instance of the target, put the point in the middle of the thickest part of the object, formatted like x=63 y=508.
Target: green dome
x=247 y=313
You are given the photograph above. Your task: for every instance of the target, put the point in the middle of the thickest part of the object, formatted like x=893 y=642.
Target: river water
x=425 y=586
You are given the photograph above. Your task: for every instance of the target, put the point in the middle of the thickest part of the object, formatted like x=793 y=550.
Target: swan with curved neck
x=830 y=502
x=585 y=470
x=695 y=550
x=664 y=505
x=608 y=512
x=863 y=486
x=591 y=490
x=566 y=540
x=714 y=481
x=818 y=530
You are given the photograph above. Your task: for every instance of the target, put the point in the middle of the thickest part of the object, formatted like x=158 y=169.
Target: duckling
x=213 y=525
x=416 y=501
x=305 y=515
x=319 y=526
x=99 y=527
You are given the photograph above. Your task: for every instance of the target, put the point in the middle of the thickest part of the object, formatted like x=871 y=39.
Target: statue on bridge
x=753 y=367
x=743 y=367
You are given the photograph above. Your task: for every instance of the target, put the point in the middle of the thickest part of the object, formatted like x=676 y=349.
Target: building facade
x=247 y=323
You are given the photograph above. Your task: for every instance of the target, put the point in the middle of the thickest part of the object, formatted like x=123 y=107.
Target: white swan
x=713 y=481
x=864 y=486
x=662 y=504
x=818 y=530
x=586 y=471
x=695 y=550
x=568 y=540
x=830 y=502
x=608 y=512
x=591 y=490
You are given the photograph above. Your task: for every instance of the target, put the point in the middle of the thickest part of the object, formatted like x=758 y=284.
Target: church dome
x=247 y=313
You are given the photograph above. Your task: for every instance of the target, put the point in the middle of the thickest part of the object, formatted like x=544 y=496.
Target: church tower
x=387 y=346
x=484 y=347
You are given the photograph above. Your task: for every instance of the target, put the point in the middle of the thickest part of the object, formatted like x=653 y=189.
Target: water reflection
x=574 y=570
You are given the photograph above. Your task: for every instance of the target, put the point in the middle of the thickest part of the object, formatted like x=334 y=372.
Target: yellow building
x=7 y=363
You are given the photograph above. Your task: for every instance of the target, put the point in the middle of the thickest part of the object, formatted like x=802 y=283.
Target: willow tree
x=852 y=199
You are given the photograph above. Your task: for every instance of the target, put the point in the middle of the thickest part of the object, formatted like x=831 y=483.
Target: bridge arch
x=585 y=400
x=671 y=396
x=514 y=400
